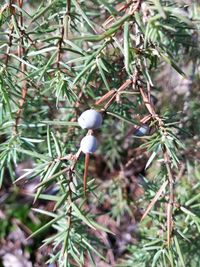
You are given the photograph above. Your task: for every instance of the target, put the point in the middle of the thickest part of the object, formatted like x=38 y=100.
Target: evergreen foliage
x=60 y=58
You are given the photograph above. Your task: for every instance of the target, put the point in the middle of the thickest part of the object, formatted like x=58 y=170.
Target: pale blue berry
x=88 y=144
x=142 y=130
x=90 y=119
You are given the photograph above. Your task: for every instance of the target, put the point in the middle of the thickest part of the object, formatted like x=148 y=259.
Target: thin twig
x=123 y=7
x=60 y=48
x=113 y=94
x=171 y=196
x=151 y=109
x=12 y=11
x=21 y=52
x=154 y=200
x=61 y=40
x=119 y=7
x=69 y=213
x=87 y=160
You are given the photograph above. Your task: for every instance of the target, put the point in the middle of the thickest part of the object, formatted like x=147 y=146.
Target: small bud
x=88 y=144
x=90 y=119
x=142 y=130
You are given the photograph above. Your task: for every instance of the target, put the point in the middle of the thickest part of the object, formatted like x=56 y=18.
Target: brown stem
x=121 y=7
x=113 y=93
x=76 y=157
x=69 y=213
x=166 y=156
x=68 y=7
x=21 y=52
x=60 y=48
x=20 y=3
x=12 y=11
x=105 y=97
x=171 y=196
x=121 y=88
x=87 y=160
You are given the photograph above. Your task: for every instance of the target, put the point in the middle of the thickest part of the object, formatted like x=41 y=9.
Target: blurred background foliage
x=59 y=58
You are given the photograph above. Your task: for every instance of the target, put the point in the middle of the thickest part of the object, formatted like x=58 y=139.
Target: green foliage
x=58 y=60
